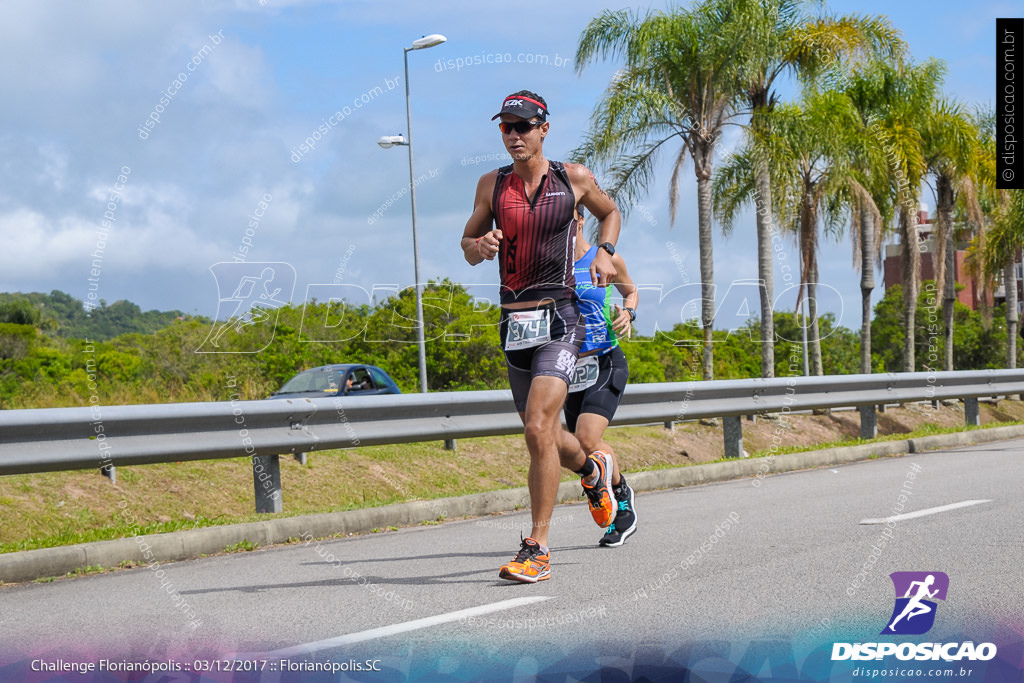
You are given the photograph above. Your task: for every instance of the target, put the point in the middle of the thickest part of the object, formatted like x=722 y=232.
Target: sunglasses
x=521 y=127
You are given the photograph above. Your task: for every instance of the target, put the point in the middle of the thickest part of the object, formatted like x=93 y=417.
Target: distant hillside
x=62 y=315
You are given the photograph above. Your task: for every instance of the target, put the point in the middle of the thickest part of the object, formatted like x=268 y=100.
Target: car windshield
x=311 y=380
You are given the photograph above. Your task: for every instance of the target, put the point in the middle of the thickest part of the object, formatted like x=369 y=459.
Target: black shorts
x=556 y=358
x=602 y=398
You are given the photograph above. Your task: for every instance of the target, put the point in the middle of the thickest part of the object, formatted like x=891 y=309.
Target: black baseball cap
x=523 y=107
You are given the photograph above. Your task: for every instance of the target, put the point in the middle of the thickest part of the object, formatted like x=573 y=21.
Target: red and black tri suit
x=536 y=257
x=538 y=236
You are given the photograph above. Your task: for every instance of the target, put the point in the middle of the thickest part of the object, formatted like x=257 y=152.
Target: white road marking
x=923 y=513
x=404 y=627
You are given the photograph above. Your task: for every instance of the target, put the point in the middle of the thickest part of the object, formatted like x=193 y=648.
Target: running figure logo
x=914 y=612
x=255 y=290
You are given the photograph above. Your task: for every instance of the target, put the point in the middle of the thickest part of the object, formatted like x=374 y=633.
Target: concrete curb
x=927 y=443
x=180 y=545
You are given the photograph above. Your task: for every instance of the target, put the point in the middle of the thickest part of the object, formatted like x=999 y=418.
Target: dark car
x=346 y=379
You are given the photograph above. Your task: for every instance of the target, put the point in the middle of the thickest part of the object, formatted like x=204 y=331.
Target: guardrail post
x=971 y=415
x=449 y=444
x=868 y=422
x=110 y=472
x=670 y=425
x=300 y=458
x=266 y=478
x=732 y=428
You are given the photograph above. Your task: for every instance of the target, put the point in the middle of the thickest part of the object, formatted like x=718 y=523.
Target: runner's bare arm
x=602 y=207
x=479 y=242
x=623 y=323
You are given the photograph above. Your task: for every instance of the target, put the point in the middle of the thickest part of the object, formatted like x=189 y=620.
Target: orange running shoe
x=529 y=565
x=602 y=498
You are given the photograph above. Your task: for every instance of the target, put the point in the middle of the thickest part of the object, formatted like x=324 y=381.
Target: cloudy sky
x=223 y=148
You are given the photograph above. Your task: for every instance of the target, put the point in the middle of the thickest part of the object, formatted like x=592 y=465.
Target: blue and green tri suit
x=595 y=303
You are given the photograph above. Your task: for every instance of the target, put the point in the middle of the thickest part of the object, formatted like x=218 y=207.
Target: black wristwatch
x=607 y=246
x=632 y=313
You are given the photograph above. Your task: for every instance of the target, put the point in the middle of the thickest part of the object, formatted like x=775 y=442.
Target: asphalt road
x=716 y=576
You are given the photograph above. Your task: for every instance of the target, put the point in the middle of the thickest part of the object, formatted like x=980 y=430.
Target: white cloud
x=36 y=246
x=239 y=74
x=163 y=241
x=55 y=165
x=50 y=47
x=78 y=78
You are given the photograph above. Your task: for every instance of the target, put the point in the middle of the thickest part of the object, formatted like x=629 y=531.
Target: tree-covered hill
x=62 y=315
x=195 y=359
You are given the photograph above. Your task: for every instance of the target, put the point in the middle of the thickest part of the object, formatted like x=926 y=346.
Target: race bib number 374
x=527 y=329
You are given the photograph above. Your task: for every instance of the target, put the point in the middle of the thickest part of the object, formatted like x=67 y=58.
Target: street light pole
x=389 y=141
x=420 y=323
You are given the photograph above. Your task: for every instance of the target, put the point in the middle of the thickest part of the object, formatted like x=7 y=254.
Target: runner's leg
x=590 y=432
x=543 y=438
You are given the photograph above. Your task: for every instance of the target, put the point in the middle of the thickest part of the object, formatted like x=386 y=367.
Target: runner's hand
x=602 y=270
x=622 y=323
x=487 y=246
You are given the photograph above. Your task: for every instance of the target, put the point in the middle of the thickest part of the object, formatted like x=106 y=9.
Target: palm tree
x=870 y=212
x=675 y=85
x=773 y=37
x=685 y=73
x=867 y=223
x=1005 y=239
x=867 y=195
x=1010 y=285
x=905 y=93
x=951 y=153
x=998 y=244
x=991 y=200
x=806 y=155
x=816 y=141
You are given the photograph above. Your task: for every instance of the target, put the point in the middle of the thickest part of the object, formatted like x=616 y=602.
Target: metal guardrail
x=57 y=439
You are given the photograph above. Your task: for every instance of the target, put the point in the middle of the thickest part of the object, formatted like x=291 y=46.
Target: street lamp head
x=390 y=140
x=428 y=41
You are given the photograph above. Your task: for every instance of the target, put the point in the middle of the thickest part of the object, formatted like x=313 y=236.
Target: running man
x=252 y=304
x=533 y=203
x=602 y=373
x=915 y=607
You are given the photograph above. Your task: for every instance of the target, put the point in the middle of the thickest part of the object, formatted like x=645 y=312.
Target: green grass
x=81 y=571
x=71 y=536
x=90 y=569
x=245 y=545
